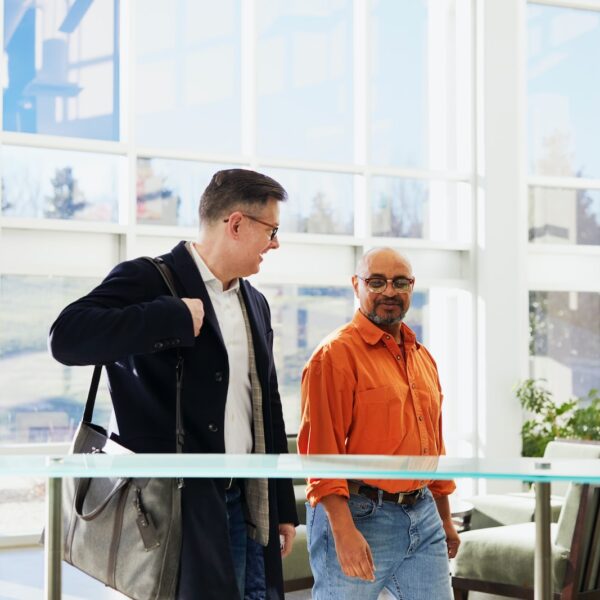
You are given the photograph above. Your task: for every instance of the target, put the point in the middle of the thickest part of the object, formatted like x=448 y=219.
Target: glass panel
x=305 y=81
x=348 y=466
x=416 y=208
x=188 y=75
x=564 y=216
x=419 y=84
x=62 y=61
x=565 y=341
x=302 y=317
x=57 y=184
x=22 y=506
x=42 y=400
x=168 y=191
x=318 y=202
x=564 y=49
x=415 y=318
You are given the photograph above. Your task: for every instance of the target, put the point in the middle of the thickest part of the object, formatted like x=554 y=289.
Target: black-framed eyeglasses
x=274 y=228
x=378 y=285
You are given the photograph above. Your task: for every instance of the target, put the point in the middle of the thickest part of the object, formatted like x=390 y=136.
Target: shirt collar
x=207 y=275
x=372 y=334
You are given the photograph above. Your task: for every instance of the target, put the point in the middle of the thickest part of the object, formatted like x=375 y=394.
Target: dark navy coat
x=131 y=324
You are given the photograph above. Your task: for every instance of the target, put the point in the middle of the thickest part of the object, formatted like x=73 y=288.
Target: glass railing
x=291 y=465
x=542 y=471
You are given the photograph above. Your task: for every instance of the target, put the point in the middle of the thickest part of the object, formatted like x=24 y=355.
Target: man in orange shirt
x=371 y=388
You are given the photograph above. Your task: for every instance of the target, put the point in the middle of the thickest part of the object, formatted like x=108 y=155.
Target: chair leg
x=461 y=594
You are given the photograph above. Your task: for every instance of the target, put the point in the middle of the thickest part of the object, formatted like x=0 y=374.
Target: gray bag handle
x=84 y=484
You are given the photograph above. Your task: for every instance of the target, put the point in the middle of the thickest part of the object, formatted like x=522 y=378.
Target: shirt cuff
x=317 y=489
x=441 y=487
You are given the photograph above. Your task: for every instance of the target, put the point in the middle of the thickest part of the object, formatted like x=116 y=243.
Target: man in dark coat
x=230 y=400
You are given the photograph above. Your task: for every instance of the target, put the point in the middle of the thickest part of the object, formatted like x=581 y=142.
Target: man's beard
x=375 y=318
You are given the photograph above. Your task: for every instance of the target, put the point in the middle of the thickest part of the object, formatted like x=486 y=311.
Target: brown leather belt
x=406 y=498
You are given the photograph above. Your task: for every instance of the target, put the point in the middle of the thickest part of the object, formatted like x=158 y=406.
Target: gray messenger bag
x=125 y=532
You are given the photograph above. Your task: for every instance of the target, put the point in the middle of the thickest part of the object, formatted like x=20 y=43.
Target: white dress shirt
x=238 y=408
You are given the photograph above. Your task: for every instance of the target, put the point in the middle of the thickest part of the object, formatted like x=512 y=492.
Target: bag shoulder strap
x=165 y=273
x=167 y=276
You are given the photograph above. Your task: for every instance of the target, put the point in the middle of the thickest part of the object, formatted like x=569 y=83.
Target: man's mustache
x=399 y=302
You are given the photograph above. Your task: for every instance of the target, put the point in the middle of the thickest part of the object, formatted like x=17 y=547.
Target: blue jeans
x=409 y=550
x=248 y=558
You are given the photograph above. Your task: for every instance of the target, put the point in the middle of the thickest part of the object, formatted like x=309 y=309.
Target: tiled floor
x=22 y=578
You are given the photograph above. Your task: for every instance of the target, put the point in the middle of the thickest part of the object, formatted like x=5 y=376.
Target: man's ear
x=355 y=285
x=234 y=223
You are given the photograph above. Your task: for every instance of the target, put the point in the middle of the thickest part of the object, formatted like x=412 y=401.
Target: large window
x=187 y=75
x=419 y=100
x=116 y=114
x=62 y=68
x=564 y=197
x=565 y=341
x=42 y=401
x=59 y=184
x=305 y=80
x=564 y=48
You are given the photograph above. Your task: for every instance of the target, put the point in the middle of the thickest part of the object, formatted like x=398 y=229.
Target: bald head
x=383 y=285
x=373 y=260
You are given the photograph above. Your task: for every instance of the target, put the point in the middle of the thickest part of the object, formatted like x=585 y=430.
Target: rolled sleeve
x=327 y=398
x=441 y=487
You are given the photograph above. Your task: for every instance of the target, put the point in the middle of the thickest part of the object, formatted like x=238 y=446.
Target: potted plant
x=576 y=418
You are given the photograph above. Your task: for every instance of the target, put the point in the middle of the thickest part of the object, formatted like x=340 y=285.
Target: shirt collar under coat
x=372 y=334
x=206 y=274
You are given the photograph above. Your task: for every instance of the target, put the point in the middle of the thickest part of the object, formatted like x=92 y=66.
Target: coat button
x=219 y=376
x=212 y=428
x=159 y=346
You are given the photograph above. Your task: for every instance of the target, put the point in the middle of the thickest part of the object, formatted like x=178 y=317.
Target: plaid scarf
x=256 y=490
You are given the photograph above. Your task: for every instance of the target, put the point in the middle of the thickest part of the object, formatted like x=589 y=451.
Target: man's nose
x=274 y=244
x=389 y=289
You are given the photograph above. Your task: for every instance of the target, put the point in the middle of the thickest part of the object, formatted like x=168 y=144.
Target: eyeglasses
x=274 y=228
x=377 y=285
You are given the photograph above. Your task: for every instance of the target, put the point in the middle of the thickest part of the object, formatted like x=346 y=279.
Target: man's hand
x=452 y=539
x=196 y=309
x=353 y=551
x=288 y=532
x=354 y=554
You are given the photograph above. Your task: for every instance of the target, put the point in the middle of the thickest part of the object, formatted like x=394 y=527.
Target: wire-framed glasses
x=378 y=285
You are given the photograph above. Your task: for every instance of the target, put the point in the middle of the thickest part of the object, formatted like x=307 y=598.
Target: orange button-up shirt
x=360 y=395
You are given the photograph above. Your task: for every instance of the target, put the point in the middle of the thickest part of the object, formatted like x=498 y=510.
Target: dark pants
x=207 y=569
x=247 y=555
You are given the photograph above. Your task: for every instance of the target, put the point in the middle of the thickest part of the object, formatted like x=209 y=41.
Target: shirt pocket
x=428 y=402
x=378 y=419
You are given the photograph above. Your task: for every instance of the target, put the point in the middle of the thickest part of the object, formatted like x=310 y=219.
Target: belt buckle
x=416 y=494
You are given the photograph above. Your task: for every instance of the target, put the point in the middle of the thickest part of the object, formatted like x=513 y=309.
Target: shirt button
x=219 y=376
x=158 y=346
x=425 y=451
x=387 y=337
x=420 y=417
x=413 y=385
x=212 y=428
x=398 y=357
